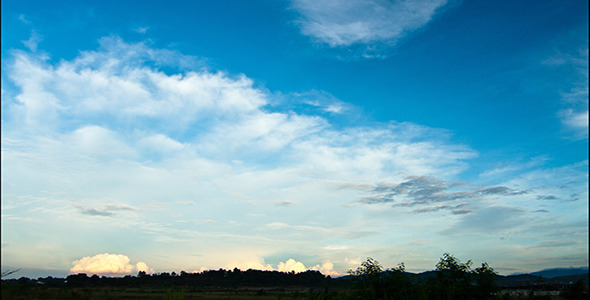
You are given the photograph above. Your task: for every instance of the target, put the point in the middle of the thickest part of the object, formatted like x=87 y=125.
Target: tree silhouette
x=8 y=272
x=485 y=280
x=576 y=291
x=371 y=282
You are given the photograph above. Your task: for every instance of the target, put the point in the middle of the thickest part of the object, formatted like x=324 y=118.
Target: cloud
x=548 y=197
x=320 y=100
x=500 y=190
x=327 y=268
x=108 y=265
x=33 y=41
x=98 y=141
x=106 y=211
x=143 y=267
x=489 y=221
x=574 y=112
x=160 y=143
x=556 y=243
x=345 y=23
x=24 y=19
x=95 y=212
x=291 y=265
x=284 y=203
x=577 y=120
x=456 y=209
x=255 y=263
x=430 y=191
x=141 y=29
x=110 y=124
x=507 y=169
x=108 y=104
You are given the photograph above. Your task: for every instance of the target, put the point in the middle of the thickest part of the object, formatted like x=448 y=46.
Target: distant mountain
x=511 y=281
x=547 y=276
x=570 y=279
x=558 y=272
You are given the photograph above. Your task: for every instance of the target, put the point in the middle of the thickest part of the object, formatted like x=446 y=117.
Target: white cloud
x=24 y=19
x=574 y=114
x=343 y=23
x=105 y=126
x=160 y=143
x=578 y=121
x=99 y=141
x=254 y=263
x=141 y=29
x=33 y=41
x=353 y=261
x=327 y=268
x=108 y=264
x=366 y=152
x=143 y=267
x=291 y=265
x=212 y=113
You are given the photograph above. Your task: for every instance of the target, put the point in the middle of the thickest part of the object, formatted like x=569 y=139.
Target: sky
x=298 y=135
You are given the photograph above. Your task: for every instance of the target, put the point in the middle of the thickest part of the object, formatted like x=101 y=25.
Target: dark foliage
x=452 y=279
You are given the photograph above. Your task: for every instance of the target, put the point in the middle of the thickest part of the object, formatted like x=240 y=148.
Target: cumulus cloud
x=110 y=105
x=327 y=268
x=291 y=265
x=254 y=263
x=108 y=265
x=143 y=267
x=344 y=23
x=112 y=83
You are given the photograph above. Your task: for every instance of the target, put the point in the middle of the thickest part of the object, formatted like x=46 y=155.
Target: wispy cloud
x=577 y=121
x=574 y=114
x=95 y=212
x=490 y=221
x=33 y=41
x=345 y=23
x=284 y=203
x=106 y=210
x=430 y=192
x=141 y=29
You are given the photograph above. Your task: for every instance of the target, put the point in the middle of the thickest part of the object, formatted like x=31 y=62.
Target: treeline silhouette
x=215 y=278
x=451 y=279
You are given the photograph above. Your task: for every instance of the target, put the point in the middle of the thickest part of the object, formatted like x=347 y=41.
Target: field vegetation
x=452 y=279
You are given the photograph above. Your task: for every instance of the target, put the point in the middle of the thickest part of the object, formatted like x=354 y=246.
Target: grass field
x=14 y=292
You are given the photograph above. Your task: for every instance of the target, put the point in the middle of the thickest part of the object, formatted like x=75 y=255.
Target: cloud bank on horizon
x=156 y=154
x=108 y=265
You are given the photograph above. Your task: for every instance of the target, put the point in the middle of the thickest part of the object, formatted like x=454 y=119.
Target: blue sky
x=293 y=135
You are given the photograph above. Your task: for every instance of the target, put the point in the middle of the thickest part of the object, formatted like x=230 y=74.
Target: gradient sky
x=292 y=135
